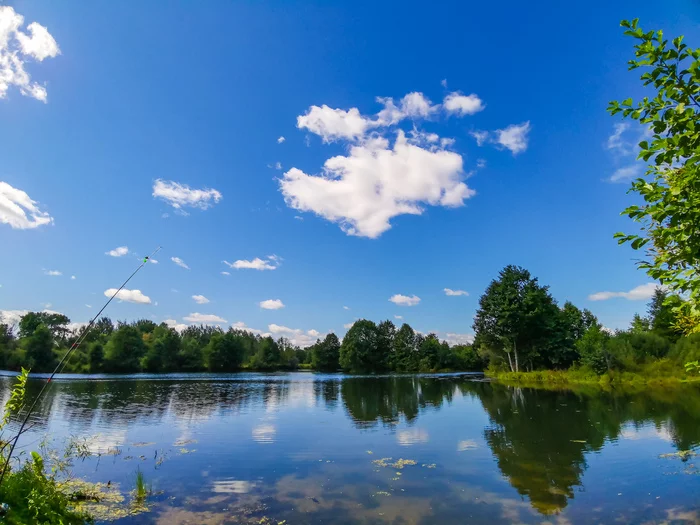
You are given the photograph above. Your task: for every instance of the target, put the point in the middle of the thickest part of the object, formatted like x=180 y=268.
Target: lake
x=440 y=449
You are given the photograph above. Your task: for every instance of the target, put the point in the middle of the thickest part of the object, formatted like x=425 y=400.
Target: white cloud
x=346 y=308
x=271 y=304
x=16 y=47
x=172 y=323
x=398 y=317
x=52 y=272
x=627 y=173
x=88 y=306
x=514 y=137
x=313 y=333
x=299 y=217
x=462 y=105
x=481 y=137
x=347 y=326
x=16 y=208
x=152 y=261
x=280 y=140
x=225 y=273
x=118 y=252
x=644 y=291
x=271 y=262
x=196 y=317
x=240 y=325
x=180 y=195
x=364 y=190
x=417 y=105
x=449 y=291
x=443 y=82
x=404 y=300
x=180 y=262
x=480 y=163
x=616 y=142
x=456 y=339
x=200 y=299
x=72 y=277
x=446 y=142
x=333 y=124
x=278 y=165
x=130 y=296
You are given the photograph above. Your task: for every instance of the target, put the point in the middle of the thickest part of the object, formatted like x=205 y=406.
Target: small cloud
x=347 y=326
x=627 y=173
x=446 y=142
x=404 y=300
x=225 y=273
x=200 y=299
x=313 y=333
x=72 y=277
x=271 y=262
x=271 y=304
x=130 y=296
x=165 y=216
x=449 y=291
x=174 y=290
x=180 y=195
x=152 y=261
x=616 y=142
x=514 y=137
x=443 y=82
x=398 y=317
x=280 y=140
x=645 y=291
x=481 y=163
x=204 y=318
x=180 y=262
x=346 y=308
x=54 y=273
x=461 y=105
x=299 y=217
x=178 y=327
x=88 y=306
x=481 y=137
x=278 y=165
x=118 y=252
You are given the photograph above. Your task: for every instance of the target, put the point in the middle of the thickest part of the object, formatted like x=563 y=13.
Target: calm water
x=310 y=448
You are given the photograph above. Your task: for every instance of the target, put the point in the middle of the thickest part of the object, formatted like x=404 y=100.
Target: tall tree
x=670 y=189
x=404 y=352
x=38 y=348
x=516 y=318
x=326 y=354
x=224 y=353
x=359 y=346
x=124 y=350
x=662 y=314
x=56 y=323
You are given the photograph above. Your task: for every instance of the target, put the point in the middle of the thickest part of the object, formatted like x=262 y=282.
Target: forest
x=41 y=339
x=519 y=327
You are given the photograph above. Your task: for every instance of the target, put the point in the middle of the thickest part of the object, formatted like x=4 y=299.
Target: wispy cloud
x=449 y=291
x=642 y=292
x=53 y=273
x=16 y=208
x=181 y=196
x=200 y=299
x=196 y=317
x=180 y=262
x=271 y=262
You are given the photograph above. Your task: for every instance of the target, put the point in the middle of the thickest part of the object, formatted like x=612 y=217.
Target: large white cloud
x=333 y=124
x=180 y=196
x=271 y=262
x=16 y=46
x=374 y=183
x=404 y=300
x=130 y=296
x=119 y=251
x=16 y=208
x=196 y=317
x=639 y=293
x=271 y=304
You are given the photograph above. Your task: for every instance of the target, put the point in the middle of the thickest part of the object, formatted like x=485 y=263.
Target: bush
x=686 y=349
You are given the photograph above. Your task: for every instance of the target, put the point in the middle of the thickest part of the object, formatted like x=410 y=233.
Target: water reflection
x=541 y=442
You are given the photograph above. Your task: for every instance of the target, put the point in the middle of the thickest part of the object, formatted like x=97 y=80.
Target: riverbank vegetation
x=42 y=338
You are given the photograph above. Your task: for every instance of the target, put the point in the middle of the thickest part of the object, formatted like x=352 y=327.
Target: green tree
x=96 y=356
x=325 y=354
x=670 y=189
x=405 y=353
x=516 y=318
x=662 y=314
x=267 y=355
x=593 y=349
x=224 y=353
x=124 y=350
x=359 y=346
x=56 y=323
x=38 y=349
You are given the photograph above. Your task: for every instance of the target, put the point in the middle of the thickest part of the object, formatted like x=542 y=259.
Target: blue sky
x=118 y=97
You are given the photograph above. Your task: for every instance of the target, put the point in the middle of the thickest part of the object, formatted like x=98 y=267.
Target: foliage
x=325 y=355
x=38 y=348
x=671 y=187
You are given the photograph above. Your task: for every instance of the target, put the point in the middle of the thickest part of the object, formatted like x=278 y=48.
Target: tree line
x=41 y=339
x=520 y=327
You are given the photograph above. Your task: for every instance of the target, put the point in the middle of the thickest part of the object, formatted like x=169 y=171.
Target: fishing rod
x=64 y=360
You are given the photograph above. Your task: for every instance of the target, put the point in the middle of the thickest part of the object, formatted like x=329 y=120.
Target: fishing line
x=64 y=360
